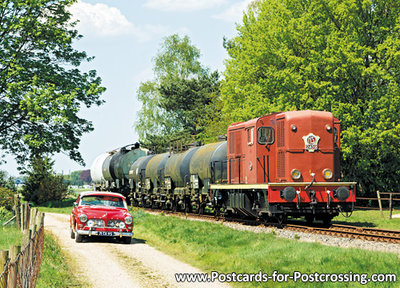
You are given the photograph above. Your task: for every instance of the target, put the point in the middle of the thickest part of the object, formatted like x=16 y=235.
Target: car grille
x=113 y=223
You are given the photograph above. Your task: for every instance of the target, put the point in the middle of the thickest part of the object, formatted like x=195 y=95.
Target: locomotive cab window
x=265 y=135
x=250 y=136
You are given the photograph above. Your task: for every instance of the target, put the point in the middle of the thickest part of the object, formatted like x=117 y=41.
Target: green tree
x=339 y=56
x=42 y=185
x=174 y=103
x=41 y=88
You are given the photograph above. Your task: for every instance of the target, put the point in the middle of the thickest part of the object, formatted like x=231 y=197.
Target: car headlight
x=128 y=220
x=296 y=174
x=122 y=225
x=327 y=174
x=83 y=218
x=90 y=223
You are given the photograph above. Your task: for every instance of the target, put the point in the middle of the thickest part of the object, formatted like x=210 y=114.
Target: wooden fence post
x=390 y=205
x=380 y=202
x=3 y=262
x=12 y=276
x=17 y=214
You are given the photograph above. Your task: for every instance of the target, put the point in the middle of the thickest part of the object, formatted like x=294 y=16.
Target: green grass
x=214 y=247
x=54 y=271
x=370 y=218
x=9 y=235
x=63 y=206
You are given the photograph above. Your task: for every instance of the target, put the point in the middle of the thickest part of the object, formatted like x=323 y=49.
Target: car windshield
x=103 y=200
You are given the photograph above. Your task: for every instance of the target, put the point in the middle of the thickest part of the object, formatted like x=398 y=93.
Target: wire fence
x=24 y=270
x=20 y=267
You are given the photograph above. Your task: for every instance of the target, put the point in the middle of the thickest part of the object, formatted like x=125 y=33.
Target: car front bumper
x=104 y=233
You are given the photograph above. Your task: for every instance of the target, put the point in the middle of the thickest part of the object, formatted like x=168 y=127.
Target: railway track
x=344 y=231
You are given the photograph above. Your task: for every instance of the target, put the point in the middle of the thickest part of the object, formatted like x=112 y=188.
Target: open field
x=213 y=247
x=64 y=206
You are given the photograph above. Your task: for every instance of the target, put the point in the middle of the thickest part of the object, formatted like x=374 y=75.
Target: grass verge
x=54 y=271
x=370 y=218
x=214 y=247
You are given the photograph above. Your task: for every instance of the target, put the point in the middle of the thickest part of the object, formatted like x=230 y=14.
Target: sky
x=124 y=36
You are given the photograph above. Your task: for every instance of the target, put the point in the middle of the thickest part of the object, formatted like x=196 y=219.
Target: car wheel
x=78 y=238
x=126 y=240
x=72 y=233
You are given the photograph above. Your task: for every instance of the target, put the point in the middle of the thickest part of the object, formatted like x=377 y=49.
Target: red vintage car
x=101 y=214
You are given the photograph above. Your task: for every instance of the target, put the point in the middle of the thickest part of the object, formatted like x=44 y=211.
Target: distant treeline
x=78 y=178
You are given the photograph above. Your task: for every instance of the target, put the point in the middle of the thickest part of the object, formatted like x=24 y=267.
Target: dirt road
x=111 y=264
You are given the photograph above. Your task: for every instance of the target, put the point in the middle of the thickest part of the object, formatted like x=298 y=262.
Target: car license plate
x=101 y=233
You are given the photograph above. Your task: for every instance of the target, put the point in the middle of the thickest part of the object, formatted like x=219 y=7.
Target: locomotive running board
x=283 y=184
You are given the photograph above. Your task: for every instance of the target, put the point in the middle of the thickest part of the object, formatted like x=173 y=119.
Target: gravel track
x=112 y=264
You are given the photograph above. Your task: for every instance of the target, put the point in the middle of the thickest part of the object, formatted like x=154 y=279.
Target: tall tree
x=173 y=104
x=41 y=88
x=334 y=55
x=42 y=184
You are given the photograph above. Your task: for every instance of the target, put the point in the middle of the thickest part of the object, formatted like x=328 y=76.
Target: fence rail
x=21 y=268
x=380 y=199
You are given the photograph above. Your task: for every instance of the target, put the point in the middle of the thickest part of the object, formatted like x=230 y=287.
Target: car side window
x=265 y=135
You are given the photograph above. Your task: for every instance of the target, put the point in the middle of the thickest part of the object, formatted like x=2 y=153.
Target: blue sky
x=124 y=36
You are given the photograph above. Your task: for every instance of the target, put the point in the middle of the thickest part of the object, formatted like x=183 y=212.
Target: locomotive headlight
x=296 y=174
x=327 y=174
x=83 y=218
x=128 y=220
x=342 y=193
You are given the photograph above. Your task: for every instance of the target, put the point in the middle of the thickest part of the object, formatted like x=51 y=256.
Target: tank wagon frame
x=275 y=166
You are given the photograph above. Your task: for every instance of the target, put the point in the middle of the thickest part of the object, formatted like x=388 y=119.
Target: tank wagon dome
x=206 y=156
x=155 y=168
x=177 y=167
x=96 y=170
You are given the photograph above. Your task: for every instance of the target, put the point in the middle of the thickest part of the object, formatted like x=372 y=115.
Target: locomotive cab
x=287 y=164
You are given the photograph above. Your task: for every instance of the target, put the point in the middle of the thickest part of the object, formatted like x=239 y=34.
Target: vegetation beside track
x=214 y=247
x=370 y=218
x=55 y=271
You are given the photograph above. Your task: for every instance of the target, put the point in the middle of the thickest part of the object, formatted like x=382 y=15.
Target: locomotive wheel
x=327 y=221
x=309 y=219
x=282 y=218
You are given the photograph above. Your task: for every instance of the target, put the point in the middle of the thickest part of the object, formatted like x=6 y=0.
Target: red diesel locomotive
x=286 y=164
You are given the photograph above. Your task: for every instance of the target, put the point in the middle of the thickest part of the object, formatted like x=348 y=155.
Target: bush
x=5 y=214
x=6 y=198
x=41 y=184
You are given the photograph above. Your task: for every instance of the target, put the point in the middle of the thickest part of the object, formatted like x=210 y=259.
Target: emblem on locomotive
x=311 y=142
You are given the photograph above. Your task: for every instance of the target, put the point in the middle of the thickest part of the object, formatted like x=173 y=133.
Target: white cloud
x=235 y=12
x=105 y=21
x=101 y=19
x=183 y=5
